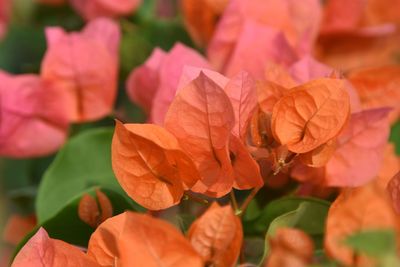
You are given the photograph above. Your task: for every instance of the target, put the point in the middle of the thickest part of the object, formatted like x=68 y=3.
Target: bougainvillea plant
x=200 y=133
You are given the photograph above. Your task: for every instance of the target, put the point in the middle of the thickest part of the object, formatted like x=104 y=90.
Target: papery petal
x=245 y=168
x=378 y=87
x=360 y=149
x=262 y=44
x=143 y=82
x=106 y=32
x=242 y=93
x=31 y=107
x=77 y=64
x=311 y=114
x=17 y=228
x=44 y=251
x=217 y=236
x=133 y=239
x=190 y=73
x=298 y=21
x=150 y=165
x=307 y=68
x=170 y=73
x=201 y=118
x=349 y=214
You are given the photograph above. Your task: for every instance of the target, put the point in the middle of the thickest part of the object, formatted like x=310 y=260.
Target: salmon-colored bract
x=201 y=118
x=132 y=239
x=150 y=165
x=41 y=250
x=30 y=106
x=76 y=63
x=310 y=115
x=217 y=236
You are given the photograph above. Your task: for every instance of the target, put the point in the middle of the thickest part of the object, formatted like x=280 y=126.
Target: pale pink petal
x=33 y=116
x=105 y=31
x=54 y=35
x=355 y=101
x=85 y=69
x=297 y=20
x=360 y=151
x=170 y=73
x=41 y=250
x=190 y=73
x=242 y=93
x=261 y=44
x=143 y=82
x=307 y=68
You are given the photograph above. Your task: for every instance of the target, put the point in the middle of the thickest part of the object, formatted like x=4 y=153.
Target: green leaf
x=395 y=136
x=310 y=217
x=377 y=243
x=132 y=42
x=139 y=40
x=253 y=249
x=274 y=209
x=19 y=180
x=252 y=212
x=17 y=55
x=84 y=162
x=66 y=224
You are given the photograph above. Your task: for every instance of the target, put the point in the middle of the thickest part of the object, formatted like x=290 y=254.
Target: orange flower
x=217 y=236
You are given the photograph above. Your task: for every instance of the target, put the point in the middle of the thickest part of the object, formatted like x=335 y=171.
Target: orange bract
x=217 y=236
x=201 y=118
x=390 y=165
x=279 y=74
x=310 y=115
x=350 y=214
x=133 y=239
x=320 y=156
x=242 y=92
x=268 y=93
x=378 y=87
x=246 y=169
x=17 y=228
x=92 y=213
x=394 y=190
x=201 y=18
x=290 y=247
x=150 y=165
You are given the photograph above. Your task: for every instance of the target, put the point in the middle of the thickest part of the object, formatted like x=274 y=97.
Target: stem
x=249 y=198
x=234 y=202
x=195 y=198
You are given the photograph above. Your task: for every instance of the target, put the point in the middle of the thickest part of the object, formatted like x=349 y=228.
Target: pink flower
x=154 y=84
x=33 y=119
x=257 y=29
x=85 y=66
